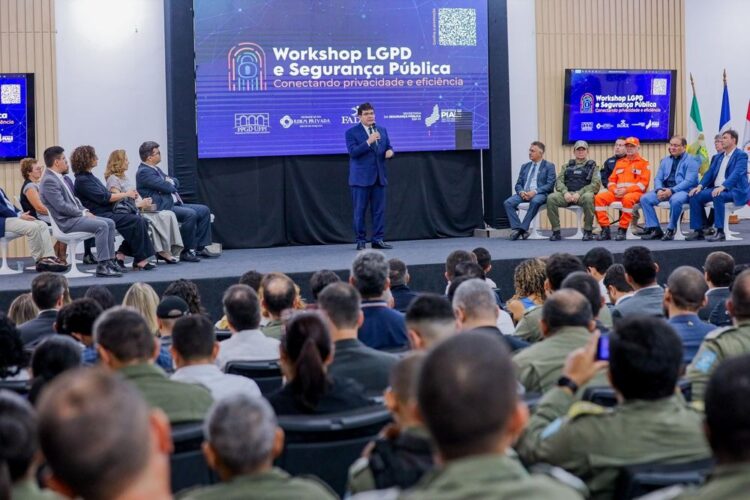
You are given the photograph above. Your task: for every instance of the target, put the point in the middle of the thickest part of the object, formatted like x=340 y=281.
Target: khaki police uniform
x=528 y=328
x=726 y=482
x=717 y=346
x=593 y=442
x=539 y=366
x=180 y=401
x=274 y=484
x=578 y=177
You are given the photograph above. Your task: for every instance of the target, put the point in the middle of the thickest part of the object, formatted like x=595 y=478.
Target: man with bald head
x=279 y=294
x=683 y=298
x=723 y=343
x=567 y=323
x=101 y=440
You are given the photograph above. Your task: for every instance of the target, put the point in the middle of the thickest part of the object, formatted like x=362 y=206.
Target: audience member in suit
x=278 y=294
x=247 y=343
x=242 y=439
x=71 y=216
x=654 y=424
x=429 y=320
x=340 y=302
x=468 y=398
x=101 y=202
x=48 y=293
x=21 y=455
x=100 y=439
x=476 y=311
x=306 y=353
x=53 y=356
x=535 y=181
x=589 y=288
x=618 y=288
x=400 y=278
x=383 y=327
x=724 y=182
x=597 y=261
x=36 y=232
x=640 y=272
x=127 y=346
x=194 y=349
x=403 y=451
x=318 y=281
x=718 y=272
x=195 y=219
x=684 y=296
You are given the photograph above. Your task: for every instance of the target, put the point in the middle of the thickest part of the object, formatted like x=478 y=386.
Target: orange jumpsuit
x=634 y=175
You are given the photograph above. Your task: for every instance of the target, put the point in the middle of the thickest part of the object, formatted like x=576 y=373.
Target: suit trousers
x=374 y=196
x=696 y=208
x=649 y=201
x=104 y=235
x=511 y=205
x=195 y=225
x=37 y=232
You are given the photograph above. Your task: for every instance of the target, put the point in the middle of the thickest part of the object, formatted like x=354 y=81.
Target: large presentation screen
x=604 y=104
x=17 y=138
x=285 y=77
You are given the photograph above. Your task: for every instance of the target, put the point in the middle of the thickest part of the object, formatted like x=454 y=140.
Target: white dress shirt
x=219 y=383
x=603 y=291
x=247 y=345
x=722 y=175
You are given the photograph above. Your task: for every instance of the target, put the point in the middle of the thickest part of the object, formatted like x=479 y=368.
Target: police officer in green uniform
x=468 y=399
x=558 y=267
x=576 y=184
x=652 y=424
x=725 y=342
x=126 y=345
x=242 y=441
x=566 y=324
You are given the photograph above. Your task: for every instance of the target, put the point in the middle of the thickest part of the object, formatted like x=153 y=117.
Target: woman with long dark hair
x=306 y=350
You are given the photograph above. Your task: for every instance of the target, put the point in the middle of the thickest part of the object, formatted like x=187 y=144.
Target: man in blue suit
x=724 y=182
x=195 y=219
x=368 y=147
x=677 y=175
x=535 y=182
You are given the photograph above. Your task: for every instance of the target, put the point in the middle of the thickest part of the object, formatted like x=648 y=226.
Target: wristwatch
x=566 y=382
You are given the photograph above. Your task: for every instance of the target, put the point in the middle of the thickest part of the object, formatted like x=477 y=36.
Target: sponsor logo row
x=622 y=124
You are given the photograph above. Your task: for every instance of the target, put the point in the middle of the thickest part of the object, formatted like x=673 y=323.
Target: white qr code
x=10 y=94
x=457 y=27
x=659 y=86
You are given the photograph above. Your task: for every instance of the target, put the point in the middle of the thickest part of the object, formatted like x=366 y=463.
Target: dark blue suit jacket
x=5 y=213
x=367 y=162
x=735 y=178
x=152 y=183
x=545 y=178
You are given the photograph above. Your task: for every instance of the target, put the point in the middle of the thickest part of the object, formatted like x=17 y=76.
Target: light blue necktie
x=532 y=173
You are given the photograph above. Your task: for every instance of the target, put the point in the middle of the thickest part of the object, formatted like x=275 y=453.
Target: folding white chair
x=72 y=240
x=7 y=238
x=678 y=234
x=728 y=209
x=534 y=233
x=579 y=221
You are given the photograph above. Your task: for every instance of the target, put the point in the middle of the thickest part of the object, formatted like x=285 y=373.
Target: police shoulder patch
x=532 y=309
x=581 y=408
x=705 y=361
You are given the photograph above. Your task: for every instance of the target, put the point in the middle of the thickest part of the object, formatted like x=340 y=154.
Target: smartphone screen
x=602 y=348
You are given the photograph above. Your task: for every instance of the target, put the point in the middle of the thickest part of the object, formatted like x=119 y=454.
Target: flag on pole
x=746 y=135
x=696 y=137
x=725 y=115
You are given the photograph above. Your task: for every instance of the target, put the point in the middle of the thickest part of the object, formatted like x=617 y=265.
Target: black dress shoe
x=381 y=245
x=361 y=245
x=116 y=267
x=709 y=231
x=525 y=234
x=51 y=265
x=695 y=236
x=621 y=234
x=189 y=256
x=587 y=236
x=655 y=234
x=644 y=232
x=669 y=235
x=148 y=267
x=719 y=236
x=103 y=270
x=205 y=252
x=89 y=260
x=515 y=234
x=604 y=235
x=556 y=236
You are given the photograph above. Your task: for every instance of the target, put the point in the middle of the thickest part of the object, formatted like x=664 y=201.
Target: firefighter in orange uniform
x=627 y=183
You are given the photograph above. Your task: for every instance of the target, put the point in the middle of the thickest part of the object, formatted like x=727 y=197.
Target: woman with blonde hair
x=528 y=282
x=22 y=309
x=143 y=298
x=165 y=228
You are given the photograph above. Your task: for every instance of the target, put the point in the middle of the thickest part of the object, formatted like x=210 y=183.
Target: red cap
x=633 y=141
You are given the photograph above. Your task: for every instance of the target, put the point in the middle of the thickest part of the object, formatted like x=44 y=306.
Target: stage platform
x=425 y=258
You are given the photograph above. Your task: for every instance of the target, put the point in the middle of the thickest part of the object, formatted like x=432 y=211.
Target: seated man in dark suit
x=48 y=294
x=195 y=219
x=718 y=272
x=685 y=294
x=535 y=181
x=383 y=327
x=399 y=276
x=341 y=304
x=640 y=273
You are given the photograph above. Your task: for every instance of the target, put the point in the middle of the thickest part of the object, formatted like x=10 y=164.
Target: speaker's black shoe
x=381 y=245
x=655 y=234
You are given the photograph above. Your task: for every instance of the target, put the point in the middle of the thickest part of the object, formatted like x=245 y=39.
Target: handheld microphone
x=374 y=129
